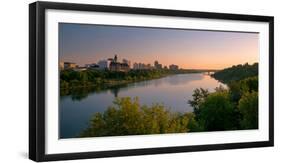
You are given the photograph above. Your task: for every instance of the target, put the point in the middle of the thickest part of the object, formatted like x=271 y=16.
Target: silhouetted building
x=111 y=64
x=116 y=66
x=115 y=58
x=173 y=67
x=157 y=65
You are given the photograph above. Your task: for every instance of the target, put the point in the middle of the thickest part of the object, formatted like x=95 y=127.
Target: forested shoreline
x=231 y=108
x=72 y=81
x=237 y=72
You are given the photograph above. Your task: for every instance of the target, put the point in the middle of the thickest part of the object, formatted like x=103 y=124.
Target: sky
x=189 y=49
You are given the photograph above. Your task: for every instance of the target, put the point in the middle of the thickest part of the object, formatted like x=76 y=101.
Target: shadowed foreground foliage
x=235 y=108
x=128 y=117
x=248 y=105
x=217 y=113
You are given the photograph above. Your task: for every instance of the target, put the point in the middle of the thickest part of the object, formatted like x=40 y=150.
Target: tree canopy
x=128 y=117
x=237 y=72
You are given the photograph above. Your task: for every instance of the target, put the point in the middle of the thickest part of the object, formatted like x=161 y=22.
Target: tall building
x=141 y=66
x=117 y=66
x=155 y=63
x=115 y=58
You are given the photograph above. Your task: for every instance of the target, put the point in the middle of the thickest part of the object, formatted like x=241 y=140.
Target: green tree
x=128 y=117
x=248 y=106
x=217 y=113
x=235 y=91
x=249 y=84
x=238 y=88
x=198 y=97
x=237 y=72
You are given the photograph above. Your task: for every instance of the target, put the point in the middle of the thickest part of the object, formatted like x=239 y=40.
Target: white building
x=142 y=66
x=104 y=64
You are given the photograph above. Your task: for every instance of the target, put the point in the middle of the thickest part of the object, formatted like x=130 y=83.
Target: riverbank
x=93 y=80
x=109 y=84
x=236 y=73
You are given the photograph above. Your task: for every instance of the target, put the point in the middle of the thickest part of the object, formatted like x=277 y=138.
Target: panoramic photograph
x=126 y=80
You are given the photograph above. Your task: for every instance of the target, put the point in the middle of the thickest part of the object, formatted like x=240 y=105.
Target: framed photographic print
x=111 y=81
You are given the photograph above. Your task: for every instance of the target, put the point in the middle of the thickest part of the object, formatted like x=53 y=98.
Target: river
x=172 y=91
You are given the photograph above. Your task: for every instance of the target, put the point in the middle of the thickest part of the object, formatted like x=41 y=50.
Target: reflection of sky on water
x=172 y=91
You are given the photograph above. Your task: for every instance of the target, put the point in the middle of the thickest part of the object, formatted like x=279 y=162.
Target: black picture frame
x=37 y=80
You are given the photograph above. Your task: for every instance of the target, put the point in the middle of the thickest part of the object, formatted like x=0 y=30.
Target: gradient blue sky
x=82 y=44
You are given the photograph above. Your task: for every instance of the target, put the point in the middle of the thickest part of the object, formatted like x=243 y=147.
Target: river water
x=172 y=91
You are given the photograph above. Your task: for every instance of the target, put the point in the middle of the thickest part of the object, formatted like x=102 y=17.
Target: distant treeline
x=232 y=108
x=236 y=73
x=72 y=80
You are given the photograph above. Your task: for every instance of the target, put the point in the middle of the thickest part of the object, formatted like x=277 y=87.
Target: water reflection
x=81 y=93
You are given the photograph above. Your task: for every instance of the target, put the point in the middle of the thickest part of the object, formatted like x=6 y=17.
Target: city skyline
x=119 y=60
x=189 y=49
x=103 y=64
